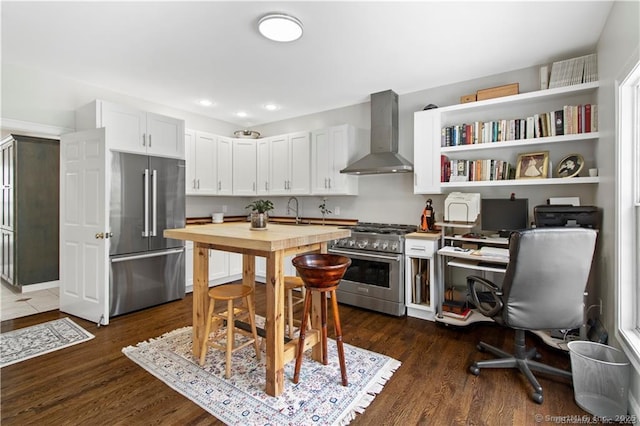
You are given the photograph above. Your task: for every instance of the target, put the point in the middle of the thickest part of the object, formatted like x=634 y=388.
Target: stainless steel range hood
x=384 y=156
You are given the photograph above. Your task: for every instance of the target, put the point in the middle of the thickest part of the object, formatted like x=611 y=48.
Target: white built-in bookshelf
x=429 y=151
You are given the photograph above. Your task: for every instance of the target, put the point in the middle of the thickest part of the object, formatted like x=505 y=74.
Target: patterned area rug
x=318 y=398
x=29 y=342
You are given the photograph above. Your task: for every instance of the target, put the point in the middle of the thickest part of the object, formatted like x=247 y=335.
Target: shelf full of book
x=484 y=139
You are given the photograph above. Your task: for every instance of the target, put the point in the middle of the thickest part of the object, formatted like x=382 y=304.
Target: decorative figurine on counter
x=427 y=220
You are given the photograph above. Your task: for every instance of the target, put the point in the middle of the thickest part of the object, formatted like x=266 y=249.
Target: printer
x=461 y=207
x=567 y=215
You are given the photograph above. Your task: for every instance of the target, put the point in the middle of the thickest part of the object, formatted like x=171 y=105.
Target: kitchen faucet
x=289 y=208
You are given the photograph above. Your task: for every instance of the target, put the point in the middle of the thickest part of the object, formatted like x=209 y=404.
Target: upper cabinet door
x=190 y=161
x=126 y=127
x=262 y=167
x=206 y=164
x=299 y=166
x=332 y=150
x=322 y=162
x=280 y=161
x=225 y=166
x=131 y=130
x=164 y=136
x=244 y=167
x=426 y=171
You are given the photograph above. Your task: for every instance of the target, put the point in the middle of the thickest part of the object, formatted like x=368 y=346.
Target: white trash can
x=600 y=378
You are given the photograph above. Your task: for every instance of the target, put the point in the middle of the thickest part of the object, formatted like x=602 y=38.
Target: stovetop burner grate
x=382 y=228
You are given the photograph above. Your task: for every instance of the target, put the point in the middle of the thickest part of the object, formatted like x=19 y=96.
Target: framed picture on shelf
x=532 y=165
x=570 y=166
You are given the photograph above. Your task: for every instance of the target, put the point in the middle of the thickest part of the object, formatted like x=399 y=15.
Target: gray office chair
x=543 y=289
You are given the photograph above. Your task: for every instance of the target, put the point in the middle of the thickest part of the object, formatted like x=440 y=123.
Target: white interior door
x=84 y=290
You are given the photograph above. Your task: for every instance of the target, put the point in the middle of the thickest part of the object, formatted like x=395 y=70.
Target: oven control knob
x=375 y=244
x=363 y=243
x=342 y=242
x=394 y=246
x=385 y=245
x=352 y=243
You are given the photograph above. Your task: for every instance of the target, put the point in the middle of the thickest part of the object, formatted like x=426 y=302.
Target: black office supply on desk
x=567 y=216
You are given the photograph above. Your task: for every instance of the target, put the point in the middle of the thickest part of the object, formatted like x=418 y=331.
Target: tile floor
x=15 y=305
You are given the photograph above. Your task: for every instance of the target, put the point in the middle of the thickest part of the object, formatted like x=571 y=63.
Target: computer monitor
x=504 y=215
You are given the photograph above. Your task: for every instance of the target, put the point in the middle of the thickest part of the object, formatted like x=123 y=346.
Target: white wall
x=32 y=96
x=618 y=48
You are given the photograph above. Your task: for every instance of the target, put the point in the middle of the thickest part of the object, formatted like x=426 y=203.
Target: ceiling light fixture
x=206 y=102
x=280 y=27
x=271 y=107
x=241 y=114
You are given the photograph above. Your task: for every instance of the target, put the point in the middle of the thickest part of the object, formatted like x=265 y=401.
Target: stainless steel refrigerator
x=147 y=196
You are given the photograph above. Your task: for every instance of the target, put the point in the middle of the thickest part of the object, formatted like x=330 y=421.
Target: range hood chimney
x=384 y=156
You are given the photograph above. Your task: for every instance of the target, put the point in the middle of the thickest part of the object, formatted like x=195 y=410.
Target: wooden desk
x=274 y=244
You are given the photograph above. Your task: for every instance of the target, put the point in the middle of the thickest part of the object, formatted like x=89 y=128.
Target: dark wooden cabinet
x=29 y=224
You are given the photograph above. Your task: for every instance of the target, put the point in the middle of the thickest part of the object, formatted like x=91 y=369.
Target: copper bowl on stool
x=321 y=270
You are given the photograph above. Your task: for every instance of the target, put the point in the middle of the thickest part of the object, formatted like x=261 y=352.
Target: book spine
x=559 y=122
x=587 y=118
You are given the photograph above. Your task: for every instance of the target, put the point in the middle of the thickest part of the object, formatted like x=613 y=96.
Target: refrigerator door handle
x=154 y=202
x=146 y=255
x=145 y=231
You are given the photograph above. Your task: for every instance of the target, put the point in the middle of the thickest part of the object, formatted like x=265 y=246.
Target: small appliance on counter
x=462 y=207
x=217 y=217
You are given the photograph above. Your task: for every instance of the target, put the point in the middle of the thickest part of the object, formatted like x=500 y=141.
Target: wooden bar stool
x=230 y=293
x=321 y=273
x=290 y=284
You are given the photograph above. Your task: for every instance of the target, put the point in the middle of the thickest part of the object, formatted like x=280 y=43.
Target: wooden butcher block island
x=274 y=243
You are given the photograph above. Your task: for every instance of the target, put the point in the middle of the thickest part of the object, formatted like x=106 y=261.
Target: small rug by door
x=29 y=342
x=318 y=398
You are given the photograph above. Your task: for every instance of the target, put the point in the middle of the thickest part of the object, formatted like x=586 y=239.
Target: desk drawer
x=420 y=247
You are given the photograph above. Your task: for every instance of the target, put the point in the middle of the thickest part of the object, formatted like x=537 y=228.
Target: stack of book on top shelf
x=455 y=309
x=582 y=69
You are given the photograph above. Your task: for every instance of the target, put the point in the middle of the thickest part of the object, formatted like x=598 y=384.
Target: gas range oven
x=375 y=279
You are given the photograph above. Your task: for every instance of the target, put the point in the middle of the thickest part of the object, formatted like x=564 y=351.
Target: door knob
x=99 y=235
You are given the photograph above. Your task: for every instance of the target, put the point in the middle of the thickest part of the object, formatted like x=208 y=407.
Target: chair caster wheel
x=537 y=397
x=474 y=370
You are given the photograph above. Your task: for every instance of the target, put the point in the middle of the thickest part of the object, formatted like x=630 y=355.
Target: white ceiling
x=176 y=53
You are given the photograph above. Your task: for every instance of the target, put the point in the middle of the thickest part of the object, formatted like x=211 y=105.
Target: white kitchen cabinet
x=132 y=130
x=244 y=167
x=261 y=268
x=218 y=265
x=224 y=267
x=332 y=149
x=289 y=165
x=420 y=284
x=208 y=164
x=429 y=124
x=224 y=159
x=262 y=166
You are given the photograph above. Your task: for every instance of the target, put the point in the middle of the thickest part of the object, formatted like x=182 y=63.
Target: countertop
x=237 y=236
x=276 y=219
x=424 y=235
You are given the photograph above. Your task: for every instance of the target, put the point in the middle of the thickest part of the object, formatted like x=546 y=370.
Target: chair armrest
x=488 y=308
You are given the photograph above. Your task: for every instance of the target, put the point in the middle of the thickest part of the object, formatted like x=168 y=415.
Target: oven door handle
x=368 y=255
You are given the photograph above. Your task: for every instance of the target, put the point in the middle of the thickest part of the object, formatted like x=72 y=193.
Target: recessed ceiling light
x=271 y=107
x=241 y=114
x=280 y=27
x=206 y=102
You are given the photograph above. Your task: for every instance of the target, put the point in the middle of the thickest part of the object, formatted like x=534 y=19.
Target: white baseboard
x=40 y=286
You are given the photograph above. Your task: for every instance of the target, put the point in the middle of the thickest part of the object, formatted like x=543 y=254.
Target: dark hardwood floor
x=93 y=383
